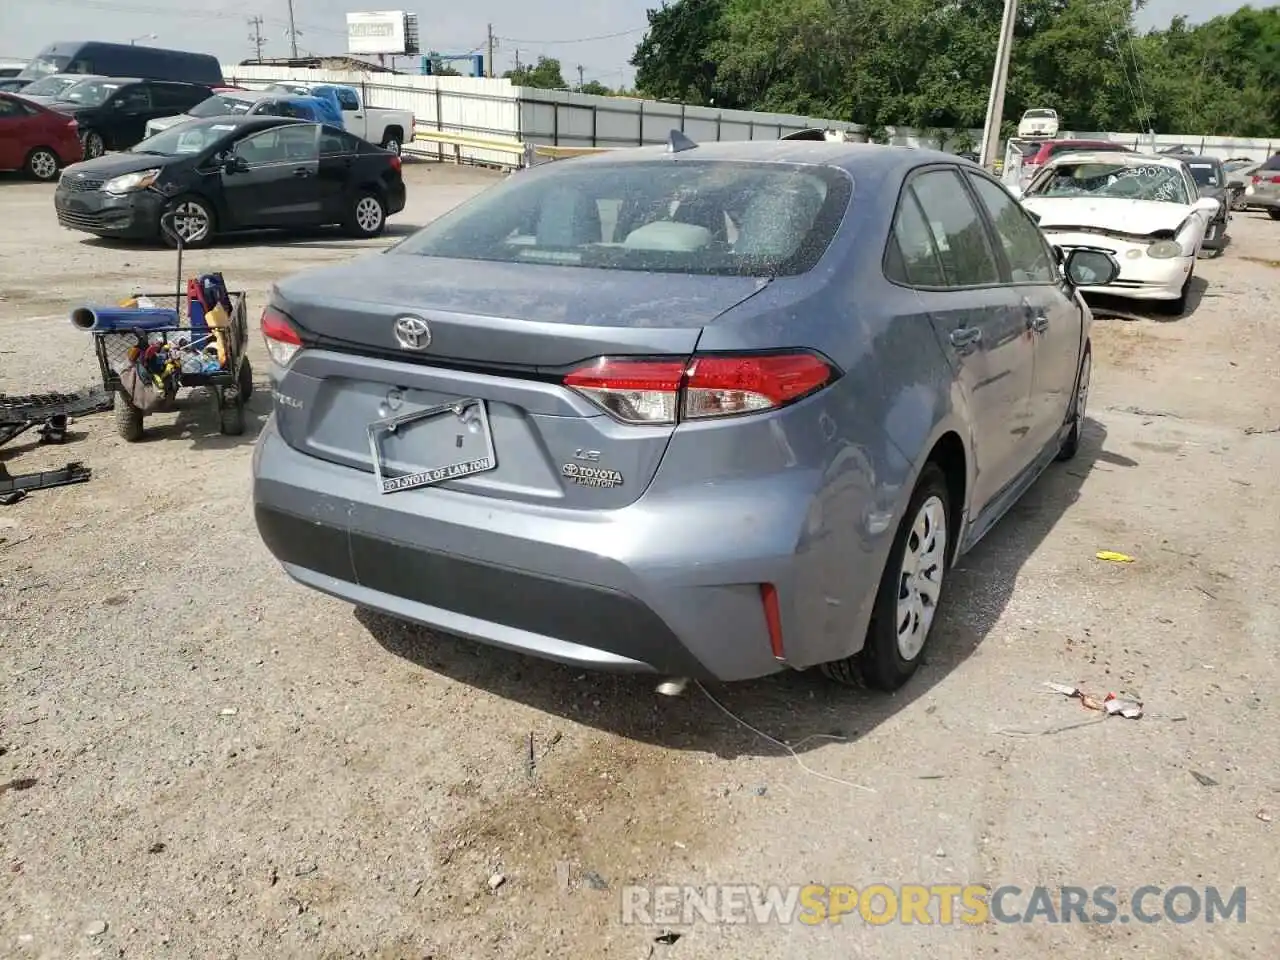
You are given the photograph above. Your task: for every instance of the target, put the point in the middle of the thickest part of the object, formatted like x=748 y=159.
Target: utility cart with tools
x=159 y=343
x=228 y=379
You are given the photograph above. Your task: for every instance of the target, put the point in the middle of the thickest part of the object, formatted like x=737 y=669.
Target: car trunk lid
x=501 y=334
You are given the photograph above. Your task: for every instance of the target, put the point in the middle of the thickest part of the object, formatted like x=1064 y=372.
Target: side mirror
x=1206 y=205
x=1091 y=268
x=235 y=164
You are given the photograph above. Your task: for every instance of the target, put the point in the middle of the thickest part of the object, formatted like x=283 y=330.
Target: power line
x=558 y=43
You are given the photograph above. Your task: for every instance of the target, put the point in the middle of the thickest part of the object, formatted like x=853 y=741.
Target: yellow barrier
x=459 y=141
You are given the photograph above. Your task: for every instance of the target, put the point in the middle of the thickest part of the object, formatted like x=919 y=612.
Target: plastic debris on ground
x=1112 y=557
x=1111 y=705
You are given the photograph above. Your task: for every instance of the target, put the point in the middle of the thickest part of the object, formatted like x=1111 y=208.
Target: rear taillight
x=670 y=390
x=283 y=341
x=395 y=163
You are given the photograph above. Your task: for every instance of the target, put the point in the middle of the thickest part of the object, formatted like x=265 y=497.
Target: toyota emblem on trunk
x=413 y=333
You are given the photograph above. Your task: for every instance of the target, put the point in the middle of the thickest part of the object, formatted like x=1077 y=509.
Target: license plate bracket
x=468 y=422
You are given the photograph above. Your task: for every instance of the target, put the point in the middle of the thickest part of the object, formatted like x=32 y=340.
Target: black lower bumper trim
x=584 y=614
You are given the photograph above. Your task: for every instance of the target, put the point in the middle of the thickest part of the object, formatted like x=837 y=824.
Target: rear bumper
x=396 y=195
x=622 y=591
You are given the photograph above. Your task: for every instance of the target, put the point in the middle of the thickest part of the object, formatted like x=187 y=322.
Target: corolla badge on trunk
x=412 y=333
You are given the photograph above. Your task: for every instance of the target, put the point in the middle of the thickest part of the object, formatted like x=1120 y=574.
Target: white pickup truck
x=381 y=125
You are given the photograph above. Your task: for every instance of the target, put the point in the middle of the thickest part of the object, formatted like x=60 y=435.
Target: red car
x=1036 y=154
x=36 y=139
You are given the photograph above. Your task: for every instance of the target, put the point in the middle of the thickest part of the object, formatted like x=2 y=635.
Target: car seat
x=567 y=218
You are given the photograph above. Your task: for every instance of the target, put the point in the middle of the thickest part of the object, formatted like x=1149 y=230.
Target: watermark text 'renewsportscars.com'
x=935 y=904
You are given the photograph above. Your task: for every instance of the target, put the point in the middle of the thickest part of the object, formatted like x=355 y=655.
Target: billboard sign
x=377 y=32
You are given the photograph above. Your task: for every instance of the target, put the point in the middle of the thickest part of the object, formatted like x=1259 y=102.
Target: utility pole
x=293 y=32
x=999 y=75
x=517 y=70
x=492 y=44
x=579 y=78
x=256 y=39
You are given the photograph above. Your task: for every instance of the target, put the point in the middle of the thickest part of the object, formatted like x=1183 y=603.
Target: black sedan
x=225 y=174
x=1211 y=181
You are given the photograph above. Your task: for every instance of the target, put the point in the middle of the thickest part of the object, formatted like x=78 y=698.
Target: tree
x=595 y=87
x=673 y=61
x=926 y=64
x=543 y=75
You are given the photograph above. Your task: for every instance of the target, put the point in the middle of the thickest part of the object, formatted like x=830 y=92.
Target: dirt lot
x=201 y=759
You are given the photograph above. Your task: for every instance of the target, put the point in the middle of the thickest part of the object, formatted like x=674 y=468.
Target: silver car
x=1264 y=187
x=713 y=411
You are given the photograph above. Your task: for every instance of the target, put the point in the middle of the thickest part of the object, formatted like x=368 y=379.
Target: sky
x=600 y=36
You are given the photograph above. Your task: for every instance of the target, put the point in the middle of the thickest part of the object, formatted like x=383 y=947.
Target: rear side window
x=957 y=229
x=347 y=99
x=335 y=143
x=688 y=216
x=913 y=258
x=1272 y=164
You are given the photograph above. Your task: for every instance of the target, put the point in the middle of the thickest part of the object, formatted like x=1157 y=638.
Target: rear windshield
x=50 y=86
x=1082 y=147
x=220 y=106
x=1039 y=114
x=1273 y=163
x=91 y=93
x=686 y=216
x=1205 y=174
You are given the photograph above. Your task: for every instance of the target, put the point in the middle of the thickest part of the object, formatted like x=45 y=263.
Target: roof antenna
x=677 y=142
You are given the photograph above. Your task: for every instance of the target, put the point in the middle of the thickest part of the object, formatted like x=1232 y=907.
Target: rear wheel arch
x=948 y=454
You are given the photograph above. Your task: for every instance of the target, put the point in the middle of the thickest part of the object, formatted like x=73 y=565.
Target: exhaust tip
x=673 y=687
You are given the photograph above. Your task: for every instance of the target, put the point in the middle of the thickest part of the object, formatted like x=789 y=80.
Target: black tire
x=394 y=141
x=244 y=381
x=1176 y=308
x=92 y=143
x=360 y=215
x=1079 y=406
x=128 y=418
x=42 y=164
x=1274 y=214
x=230 y=414
x=882 y=663
x=184 y=213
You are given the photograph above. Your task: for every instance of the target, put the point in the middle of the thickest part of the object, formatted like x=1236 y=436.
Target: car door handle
x=1037 y=322
x=302 y=172
x=965 y=337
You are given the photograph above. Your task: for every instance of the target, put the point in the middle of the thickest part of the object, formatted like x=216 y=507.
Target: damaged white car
x=1144 y=210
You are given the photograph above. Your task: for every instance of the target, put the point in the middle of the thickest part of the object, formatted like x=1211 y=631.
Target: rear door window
x=348 y=100
x=957 y=229
x=335 y=143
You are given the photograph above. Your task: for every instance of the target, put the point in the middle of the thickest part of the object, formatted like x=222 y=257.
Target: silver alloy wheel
x=368 y=214
x=920 y=584
x=393 y=145
x=190 y=221
x=93 y=146
x=44 y=165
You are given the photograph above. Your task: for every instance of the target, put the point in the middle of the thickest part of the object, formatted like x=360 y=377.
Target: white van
x=1038 y=123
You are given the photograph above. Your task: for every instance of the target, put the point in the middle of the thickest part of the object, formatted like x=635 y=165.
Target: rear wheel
x=367 y=216
x=128 y=418
x=909 y=592
x=1274 y=214
x=93 y=144
x=393 y=142
x=42 y=164
x=244 y=382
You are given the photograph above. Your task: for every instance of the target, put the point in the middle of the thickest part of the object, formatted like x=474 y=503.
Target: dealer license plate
x=430 y=446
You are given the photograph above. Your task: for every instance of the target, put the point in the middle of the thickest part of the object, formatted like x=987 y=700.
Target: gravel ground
x=200 y=759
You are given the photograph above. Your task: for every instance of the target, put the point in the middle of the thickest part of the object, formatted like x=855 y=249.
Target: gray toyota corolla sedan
x=705 y=411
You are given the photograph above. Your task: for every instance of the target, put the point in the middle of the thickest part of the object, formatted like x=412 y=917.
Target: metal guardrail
x=523 y=153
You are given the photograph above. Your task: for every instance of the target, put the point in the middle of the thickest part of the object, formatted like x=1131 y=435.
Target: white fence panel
x=495 y=109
